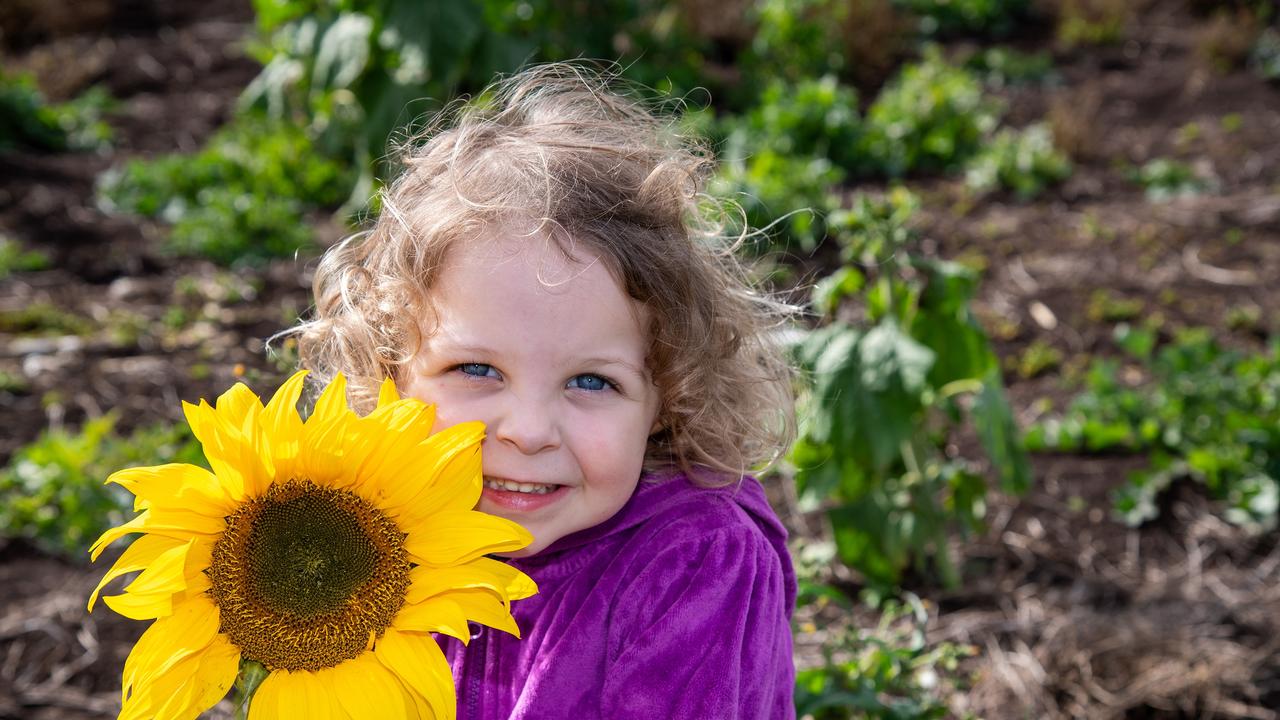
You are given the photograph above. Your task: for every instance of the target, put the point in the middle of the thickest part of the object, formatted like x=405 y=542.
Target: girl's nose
x=528 y=425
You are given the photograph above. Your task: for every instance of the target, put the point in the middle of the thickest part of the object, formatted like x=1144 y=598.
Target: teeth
x=509 y=486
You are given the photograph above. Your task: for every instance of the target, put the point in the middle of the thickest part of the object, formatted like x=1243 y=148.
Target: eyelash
x=608 y=383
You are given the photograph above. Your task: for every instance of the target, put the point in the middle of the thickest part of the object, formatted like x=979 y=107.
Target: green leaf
x=343 y=53
x=1000 y=436
x=944 y=324
x=865 y=532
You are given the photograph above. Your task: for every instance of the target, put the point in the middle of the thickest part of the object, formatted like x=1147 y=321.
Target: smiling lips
x=520 y=487
x=521 y=497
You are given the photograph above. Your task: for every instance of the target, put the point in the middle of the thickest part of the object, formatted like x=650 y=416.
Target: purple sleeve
x=702 y=632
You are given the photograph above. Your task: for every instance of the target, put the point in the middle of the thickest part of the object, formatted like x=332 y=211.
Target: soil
x=1072 y=613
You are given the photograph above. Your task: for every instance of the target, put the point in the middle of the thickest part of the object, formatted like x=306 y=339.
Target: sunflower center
x=305 y=576
x=310 y=554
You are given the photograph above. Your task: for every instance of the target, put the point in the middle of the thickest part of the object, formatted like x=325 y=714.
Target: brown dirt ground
x=1073 y=614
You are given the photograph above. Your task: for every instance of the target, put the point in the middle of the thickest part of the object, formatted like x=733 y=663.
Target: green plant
x=1002 y=66
x=52 y=491
x=1091 y=22
x=814 y=117
x=987 y=18
x=783 y=158
x=1166 y=179
x=14 y=259
x=241 y=198
x=1038 y=358
x=28 y=121
x=1265 y=56
x=860 y=42
x=890 y=671
x=1024 y=161
x=360 y=70
x=931 y=117
x=1205 y=413
x=13 y=383
x=42 y=318
x=1106 y=306
x=887 y=393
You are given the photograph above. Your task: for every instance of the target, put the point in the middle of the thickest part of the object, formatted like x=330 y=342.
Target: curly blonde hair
x=571 y=150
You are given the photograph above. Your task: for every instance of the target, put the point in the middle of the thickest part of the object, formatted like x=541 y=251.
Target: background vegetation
x=1036 y=347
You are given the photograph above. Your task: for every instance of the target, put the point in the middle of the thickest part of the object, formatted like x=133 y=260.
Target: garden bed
x=1071 y=612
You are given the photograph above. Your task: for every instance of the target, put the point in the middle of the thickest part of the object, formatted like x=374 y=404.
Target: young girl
x=545 y=264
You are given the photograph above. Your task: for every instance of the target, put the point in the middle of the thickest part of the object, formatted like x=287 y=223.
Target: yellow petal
x=282 y=424
x=309 y=698
x=438 y=614
x=217 y=673
x=199 y=557
x=180 y=524
x=387 y=393
x=332 y=403
x=239 y=407
x=269 y=701
x=193 y=685
x=389 y=438
x=324 y=448
x=189 y=630
x=451 y=538
x=507 y=582
x=420 y=664
x=136 y=557
x=485 y=608
x=289 y=695
x=443 y=474
x=150 y=595
x=176 y=485
x=236 y=459
x=366 y=690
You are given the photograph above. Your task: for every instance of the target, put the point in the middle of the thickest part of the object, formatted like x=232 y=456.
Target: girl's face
x=550 y=354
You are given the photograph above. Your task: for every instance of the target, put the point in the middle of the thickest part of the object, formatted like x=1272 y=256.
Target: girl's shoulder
x=673 y=503
x=732 y=524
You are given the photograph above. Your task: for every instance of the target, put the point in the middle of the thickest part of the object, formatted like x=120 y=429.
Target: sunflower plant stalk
x=324 y=553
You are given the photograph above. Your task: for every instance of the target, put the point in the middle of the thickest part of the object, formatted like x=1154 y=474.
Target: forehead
x=523 y=282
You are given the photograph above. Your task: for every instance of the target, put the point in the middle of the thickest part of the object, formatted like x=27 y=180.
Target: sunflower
x=326 y=551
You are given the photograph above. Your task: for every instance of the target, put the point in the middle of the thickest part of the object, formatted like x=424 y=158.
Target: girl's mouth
x=521 y=496
x=520 y=487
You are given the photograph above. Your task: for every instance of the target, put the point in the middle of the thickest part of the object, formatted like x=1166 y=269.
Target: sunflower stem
x=252 y=673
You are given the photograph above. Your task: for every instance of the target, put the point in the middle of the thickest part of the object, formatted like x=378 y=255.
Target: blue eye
x=476 y=369
x=594 y=383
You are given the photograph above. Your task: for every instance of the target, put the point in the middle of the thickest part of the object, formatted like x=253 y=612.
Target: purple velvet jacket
x=678 y=606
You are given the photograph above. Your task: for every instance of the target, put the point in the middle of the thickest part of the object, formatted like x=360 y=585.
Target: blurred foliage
x=784 y=157
x=43 y=319
x=1091 y=22
x=889 y=388
x=1200 y=411
x=52 y=491
x=985 y=18
x=888 y=672
x=1265 y=57
x=931 y=117
x=28 y=122
x=1024 y=161
x=14 y=259
x=238 y=199
x=1165 y=179
x=1002 y=66
x=363 y=67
